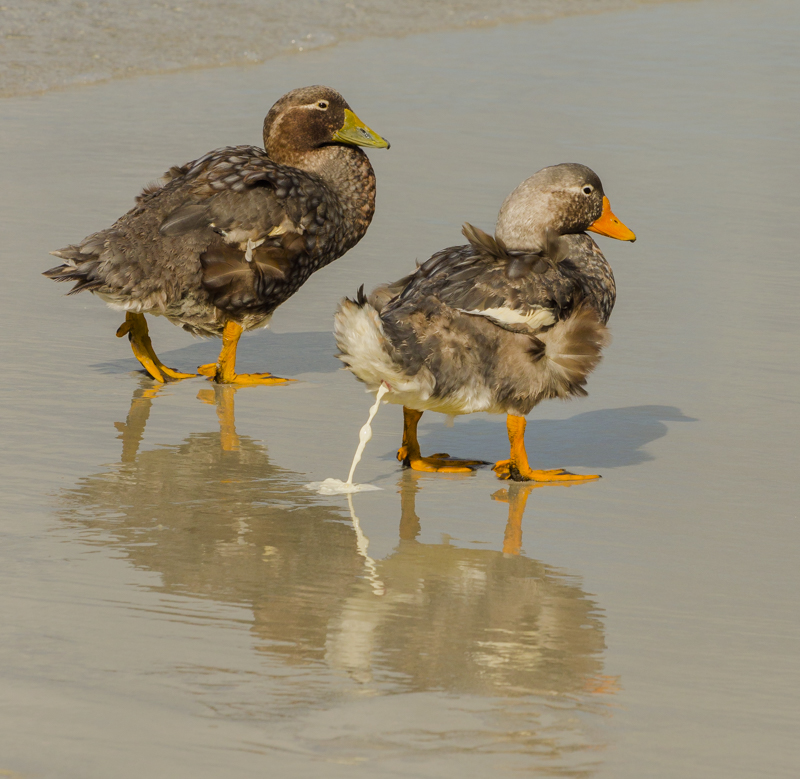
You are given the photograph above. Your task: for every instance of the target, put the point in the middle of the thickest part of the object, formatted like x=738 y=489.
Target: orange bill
x=609 y=225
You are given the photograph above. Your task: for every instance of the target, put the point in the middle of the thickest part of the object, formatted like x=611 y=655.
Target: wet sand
x=176 y=604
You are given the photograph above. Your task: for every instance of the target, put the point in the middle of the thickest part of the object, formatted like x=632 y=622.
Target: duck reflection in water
x=222 y=520
x=484 y=621
x=216 y=519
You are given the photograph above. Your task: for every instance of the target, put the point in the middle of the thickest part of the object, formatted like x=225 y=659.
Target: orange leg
x=222 y=398
x=516 y=497
x=517 y=468
x=410 y=456
x=223 y=370
x=409 y=520
x=131 y=430
x=135 y=327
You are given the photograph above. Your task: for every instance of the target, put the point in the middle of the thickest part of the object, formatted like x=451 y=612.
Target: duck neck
x=594 y=273
x=347 y=172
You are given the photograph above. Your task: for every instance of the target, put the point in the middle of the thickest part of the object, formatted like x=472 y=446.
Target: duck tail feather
x=80 y=267
x=381 y=295
x=70 y=254
x=60 y=273
x=363 y=346
x=360 y=299
x=89 y=285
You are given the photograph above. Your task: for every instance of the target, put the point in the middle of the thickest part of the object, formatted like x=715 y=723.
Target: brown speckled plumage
x=235 y=233
x=498 y=324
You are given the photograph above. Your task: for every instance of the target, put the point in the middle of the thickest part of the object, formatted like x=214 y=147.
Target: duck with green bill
x=219 y=243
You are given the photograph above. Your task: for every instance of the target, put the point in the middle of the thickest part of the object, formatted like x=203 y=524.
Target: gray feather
x=193 y=216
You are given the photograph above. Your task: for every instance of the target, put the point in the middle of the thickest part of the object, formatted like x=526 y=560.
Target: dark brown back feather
x=235 y=284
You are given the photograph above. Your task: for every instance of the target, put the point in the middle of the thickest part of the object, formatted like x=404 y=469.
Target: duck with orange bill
x=497 y=325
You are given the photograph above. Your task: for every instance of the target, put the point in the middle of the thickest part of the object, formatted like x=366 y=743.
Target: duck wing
x=233 y=224
x=519 y=291
x=258 y=217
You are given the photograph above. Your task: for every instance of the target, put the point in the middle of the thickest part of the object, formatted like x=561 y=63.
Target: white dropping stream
x=337 y=486
x=362 y=543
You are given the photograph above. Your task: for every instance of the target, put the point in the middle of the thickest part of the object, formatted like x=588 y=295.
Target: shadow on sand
x=284 y=354
x=607 y=438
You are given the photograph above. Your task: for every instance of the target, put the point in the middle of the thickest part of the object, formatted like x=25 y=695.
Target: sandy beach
x=176 y=604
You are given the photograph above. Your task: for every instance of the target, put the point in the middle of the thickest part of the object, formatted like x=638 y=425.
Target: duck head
x=310 y=118
x=562 y=199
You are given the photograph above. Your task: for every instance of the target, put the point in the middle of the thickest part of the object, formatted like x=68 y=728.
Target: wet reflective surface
x=176 y=603
x=214 y=518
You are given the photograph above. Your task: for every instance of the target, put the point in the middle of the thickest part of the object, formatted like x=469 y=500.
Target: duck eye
x=323 y=104
x=587 y=190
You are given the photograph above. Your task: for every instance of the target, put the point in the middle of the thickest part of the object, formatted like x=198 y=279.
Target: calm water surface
x=176 y=604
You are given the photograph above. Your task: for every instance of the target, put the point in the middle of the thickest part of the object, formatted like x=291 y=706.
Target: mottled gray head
x=566 y=198
x=312 y=117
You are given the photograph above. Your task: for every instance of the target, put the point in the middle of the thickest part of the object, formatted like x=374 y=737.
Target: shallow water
x=175 y=603
x=49 y=44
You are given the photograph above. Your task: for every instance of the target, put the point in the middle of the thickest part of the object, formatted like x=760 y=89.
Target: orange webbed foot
x=222 y=371
x=508 y=470
x=252 y=379
x=173 y=374
x=437 y=463
x=216 y=373
x=441 y=462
